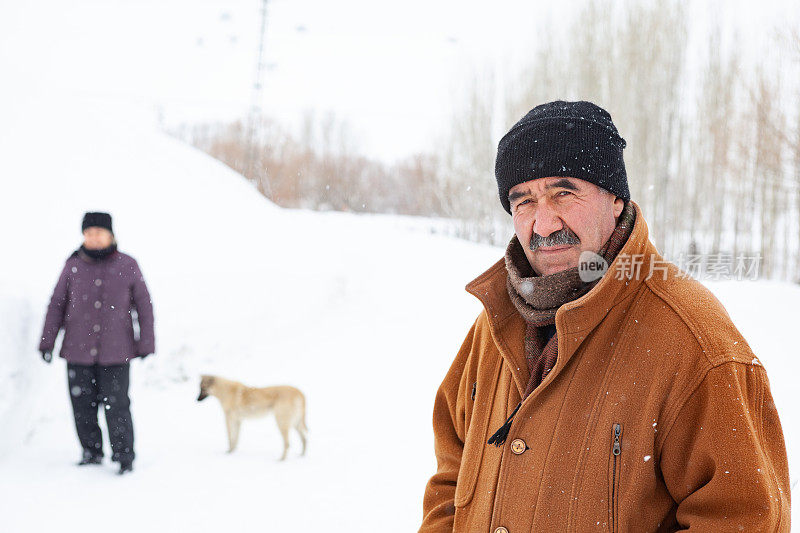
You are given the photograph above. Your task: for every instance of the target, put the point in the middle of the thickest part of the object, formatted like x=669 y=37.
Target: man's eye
x=563 y=193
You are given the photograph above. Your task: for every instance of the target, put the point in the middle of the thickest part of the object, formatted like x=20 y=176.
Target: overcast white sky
x=392 y=69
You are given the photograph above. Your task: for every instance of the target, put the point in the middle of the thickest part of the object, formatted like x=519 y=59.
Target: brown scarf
x=537 y=298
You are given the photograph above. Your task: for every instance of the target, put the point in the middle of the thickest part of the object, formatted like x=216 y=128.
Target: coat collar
x=574 y=320
x=80 y=253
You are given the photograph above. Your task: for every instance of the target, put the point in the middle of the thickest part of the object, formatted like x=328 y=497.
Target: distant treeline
x=713 y=152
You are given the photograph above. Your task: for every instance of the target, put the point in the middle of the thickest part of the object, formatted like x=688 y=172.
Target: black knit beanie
x=569 y=139
x=102 y=220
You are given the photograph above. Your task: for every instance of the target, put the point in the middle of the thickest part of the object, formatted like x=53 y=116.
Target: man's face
x=97 y=238
x=557 y=218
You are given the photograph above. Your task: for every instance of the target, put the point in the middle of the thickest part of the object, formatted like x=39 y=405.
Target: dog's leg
x=301 y=430
x=233 y=432
x=283 y=426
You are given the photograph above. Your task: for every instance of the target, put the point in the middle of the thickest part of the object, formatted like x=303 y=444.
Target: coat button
x=518 y=446
x=97 y=304
x=501 y=529
x=96 y=328
x=93 y=351
x=98 y=282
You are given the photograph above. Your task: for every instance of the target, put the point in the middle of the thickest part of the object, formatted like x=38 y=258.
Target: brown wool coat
x=700 y=446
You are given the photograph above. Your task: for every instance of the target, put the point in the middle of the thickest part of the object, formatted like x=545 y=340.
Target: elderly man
x=98 y=289
x=585 y=399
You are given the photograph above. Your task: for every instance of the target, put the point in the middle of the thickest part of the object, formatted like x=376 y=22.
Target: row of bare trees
x=320 y=168
x=713 y=154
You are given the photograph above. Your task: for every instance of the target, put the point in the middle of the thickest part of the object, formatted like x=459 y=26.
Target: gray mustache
x=562 y=237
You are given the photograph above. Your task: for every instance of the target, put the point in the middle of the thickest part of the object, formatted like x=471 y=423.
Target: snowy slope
x=362 y=313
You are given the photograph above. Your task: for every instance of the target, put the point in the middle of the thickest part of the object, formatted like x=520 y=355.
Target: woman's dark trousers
x=93 y=386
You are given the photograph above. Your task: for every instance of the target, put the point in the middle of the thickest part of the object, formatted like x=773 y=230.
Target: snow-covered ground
x=363 y=313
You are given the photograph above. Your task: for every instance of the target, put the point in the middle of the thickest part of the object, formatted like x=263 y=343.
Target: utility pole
x=252 y=167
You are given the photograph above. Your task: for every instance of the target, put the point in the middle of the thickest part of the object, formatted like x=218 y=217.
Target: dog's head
x=206 y=384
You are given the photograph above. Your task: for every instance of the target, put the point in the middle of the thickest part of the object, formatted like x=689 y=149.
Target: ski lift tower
x=252 y=167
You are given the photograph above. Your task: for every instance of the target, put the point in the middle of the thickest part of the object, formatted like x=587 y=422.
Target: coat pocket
x=614 y=464
x=477 y=435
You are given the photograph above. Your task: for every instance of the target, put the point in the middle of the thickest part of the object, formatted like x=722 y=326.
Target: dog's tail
x=303 y=417
x=302 y=423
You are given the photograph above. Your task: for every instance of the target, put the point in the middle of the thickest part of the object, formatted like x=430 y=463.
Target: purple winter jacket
x=93 y=301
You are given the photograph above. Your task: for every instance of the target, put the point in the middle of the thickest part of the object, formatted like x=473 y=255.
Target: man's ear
x=619 y=205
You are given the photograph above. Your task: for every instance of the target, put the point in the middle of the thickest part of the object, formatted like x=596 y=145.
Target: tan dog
x=240 y=401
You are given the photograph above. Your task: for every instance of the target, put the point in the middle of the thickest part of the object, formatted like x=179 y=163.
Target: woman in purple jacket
x=96 y=294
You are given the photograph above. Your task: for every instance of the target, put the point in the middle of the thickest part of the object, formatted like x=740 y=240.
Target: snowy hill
x=360 y=313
